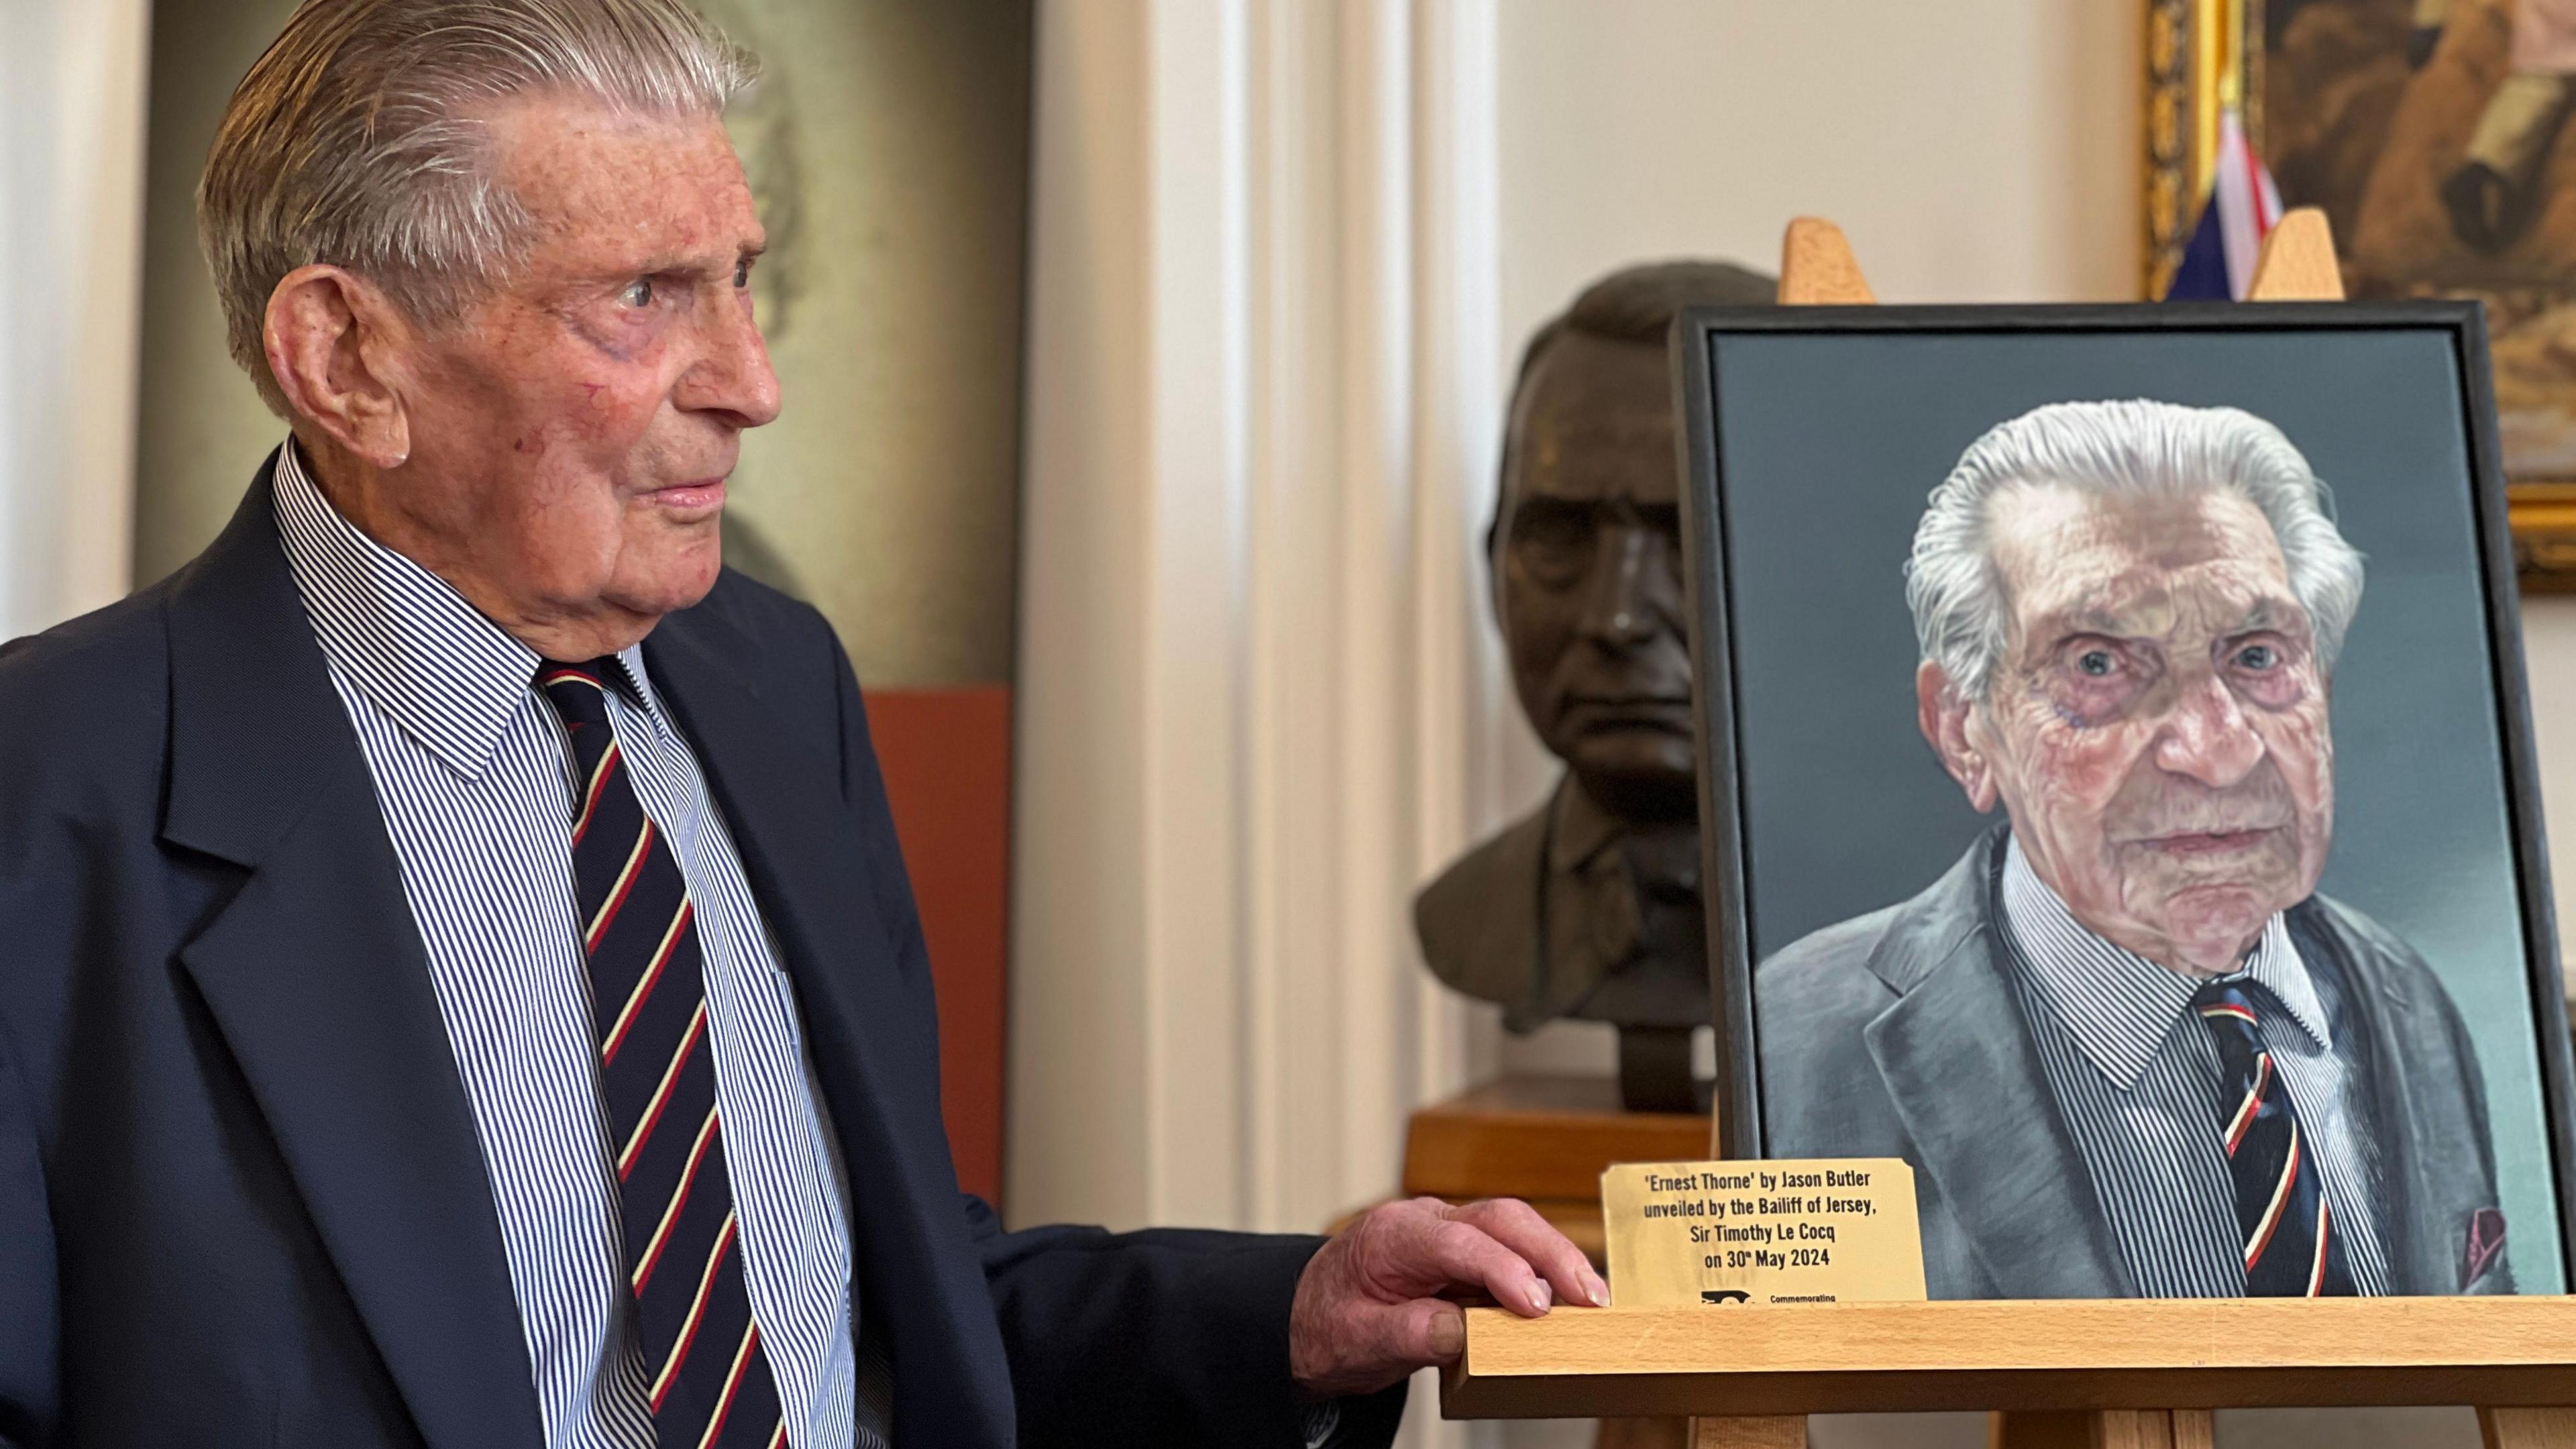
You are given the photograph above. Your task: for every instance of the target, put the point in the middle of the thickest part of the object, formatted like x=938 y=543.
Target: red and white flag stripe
x=2247 y=201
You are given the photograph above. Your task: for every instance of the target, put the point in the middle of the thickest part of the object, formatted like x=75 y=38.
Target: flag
x=2218 y=263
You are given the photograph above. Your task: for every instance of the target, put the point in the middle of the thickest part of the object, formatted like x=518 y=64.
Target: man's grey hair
x=2135 y=447
x=359 y=140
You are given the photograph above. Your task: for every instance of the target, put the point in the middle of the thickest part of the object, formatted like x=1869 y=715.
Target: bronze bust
x=1590 y=907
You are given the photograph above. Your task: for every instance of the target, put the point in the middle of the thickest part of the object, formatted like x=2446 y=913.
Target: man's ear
x=330 y=338
x=1942 y=713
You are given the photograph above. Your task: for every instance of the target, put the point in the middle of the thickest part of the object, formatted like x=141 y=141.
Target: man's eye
x=1555 y=546
x=2258 y=657
x=638 y=293
x=742 y=274
x=2096 y=663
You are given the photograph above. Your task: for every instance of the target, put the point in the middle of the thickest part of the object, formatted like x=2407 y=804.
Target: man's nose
x=1623 y=609
x=734 y=375
x=2209 y=737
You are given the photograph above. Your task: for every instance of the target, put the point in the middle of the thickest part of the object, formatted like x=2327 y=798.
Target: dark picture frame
x=1714 y=609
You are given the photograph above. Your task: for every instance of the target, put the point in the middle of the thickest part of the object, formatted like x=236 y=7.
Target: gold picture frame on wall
x=2431 y=133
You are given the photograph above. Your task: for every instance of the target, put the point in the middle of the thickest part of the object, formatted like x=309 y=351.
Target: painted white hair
x=358 y=140
x=2116 y=447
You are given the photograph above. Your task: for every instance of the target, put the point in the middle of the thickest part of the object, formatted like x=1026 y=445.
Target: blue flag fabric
x=2201 y=275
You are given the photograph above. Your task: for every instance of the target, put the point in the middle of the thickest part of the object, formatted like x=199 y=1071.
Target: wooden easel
x=2068 y=1371
x=2056 y=1374
x=2297 y=264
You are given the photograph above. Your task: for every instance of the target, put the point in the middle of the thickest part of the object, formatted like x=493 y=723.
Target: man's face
x=572 y=434
x=1588 y=573
x=2157 y=727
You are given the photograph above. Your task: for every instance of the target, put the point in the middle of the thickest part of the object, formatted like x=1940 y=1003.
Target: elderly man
x=2129 y=1047
x=460 y=985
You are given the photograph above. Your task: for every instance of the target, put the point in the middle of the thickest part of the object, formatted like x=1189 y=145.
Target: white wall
x=1974 y=150
x=71 y=226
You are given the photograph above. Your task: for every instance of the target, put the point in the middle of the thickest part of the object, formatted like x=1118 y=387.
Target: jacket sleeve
x=30 y=1323
x=1167 y=1336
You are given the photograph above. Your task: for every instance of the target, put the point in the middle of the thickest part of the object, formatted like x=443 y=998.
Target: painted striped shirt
x=475 y=779
x=2138 y=1083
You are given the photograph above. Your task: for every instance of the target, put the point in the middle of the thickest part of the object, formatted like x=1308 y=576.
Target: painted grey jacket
x=1898 y=1034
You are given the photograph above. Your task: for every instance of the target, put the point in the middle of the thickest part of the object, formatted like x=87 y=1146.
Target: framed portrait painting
x=2118 y=791
x=2429 y=132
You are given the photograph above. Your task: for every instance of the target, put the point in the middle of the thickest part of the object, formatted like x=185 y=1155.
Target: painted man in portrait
x=2128 y=1046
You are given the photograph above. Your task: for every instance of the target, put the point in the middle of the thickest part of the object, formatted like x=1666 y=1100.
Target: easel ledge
x=2046 y=1355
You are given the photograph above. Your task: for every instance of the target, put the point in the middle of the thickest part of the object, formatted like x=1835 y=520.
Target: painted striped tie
x=2293 y=1248
x=709 y=1382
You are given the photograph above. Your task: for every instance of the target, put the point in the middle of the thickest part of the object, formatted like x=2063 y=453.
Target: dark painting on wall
x=2120 y=769
x=2428 y=131
x=2431 y=134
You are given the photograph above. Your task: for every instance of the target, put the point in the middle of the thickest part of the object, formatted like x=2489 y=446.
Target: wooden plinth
x=2051 y=1355
x=1545 y=1140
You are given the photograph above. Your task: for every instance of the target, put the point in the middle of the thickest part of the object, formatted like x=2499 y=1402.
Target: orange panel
x=946 y=754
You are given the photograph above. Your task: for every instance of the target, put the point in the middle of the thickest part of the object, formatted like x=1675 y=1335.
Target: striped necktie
x=709 y=1382
x=2292 y=1246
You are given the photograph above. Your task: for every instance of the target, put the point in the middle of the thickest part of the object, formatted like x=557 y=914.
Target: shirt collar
x=2119 y=1006
x=447 y=676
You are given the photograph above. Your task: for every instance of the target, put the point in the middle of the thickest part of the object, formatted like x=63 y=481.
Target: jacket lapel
x=2417 y=1158
x=1967 y=1083
x=318 y=981
x=922 y=1282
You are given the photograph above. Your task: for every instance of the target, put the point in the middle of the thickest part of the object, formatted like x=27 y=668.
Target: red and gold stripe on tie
x=644 y=984
x=2252 y=1106
x=697 y=1313
x=733 y=1385
x=590 y=796
x=2271 y=1223
x=643 y=1132
x=625 y=883
x=652 y=1253
x=2317 y=1269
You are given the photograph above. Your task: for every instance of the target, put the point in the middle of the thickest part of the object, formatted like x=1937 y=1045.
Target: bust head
x=1586 y=539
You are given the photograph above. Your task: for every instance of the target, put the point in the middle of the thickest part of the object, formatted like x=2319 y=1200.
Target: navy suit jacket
x=241 y=1198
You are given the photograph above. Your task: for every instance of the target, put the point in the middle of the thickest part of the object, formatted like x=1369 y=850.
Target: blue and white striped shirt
x=2137 y=1079
x=475 y=780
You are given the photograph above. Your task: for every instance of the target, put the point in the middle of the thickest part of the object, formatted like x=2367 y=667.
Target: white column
x=71 y=229
x=1258 y=698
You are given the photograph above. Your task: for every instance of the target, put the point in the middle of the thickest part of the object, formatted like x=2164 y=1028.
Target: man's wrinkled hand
x=1382 y=1299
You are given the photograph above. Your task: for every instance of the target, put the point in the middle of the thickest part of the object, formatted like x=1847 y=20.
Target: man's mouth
x=698 y=495
x=2209 y=842
x=1614 y=710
